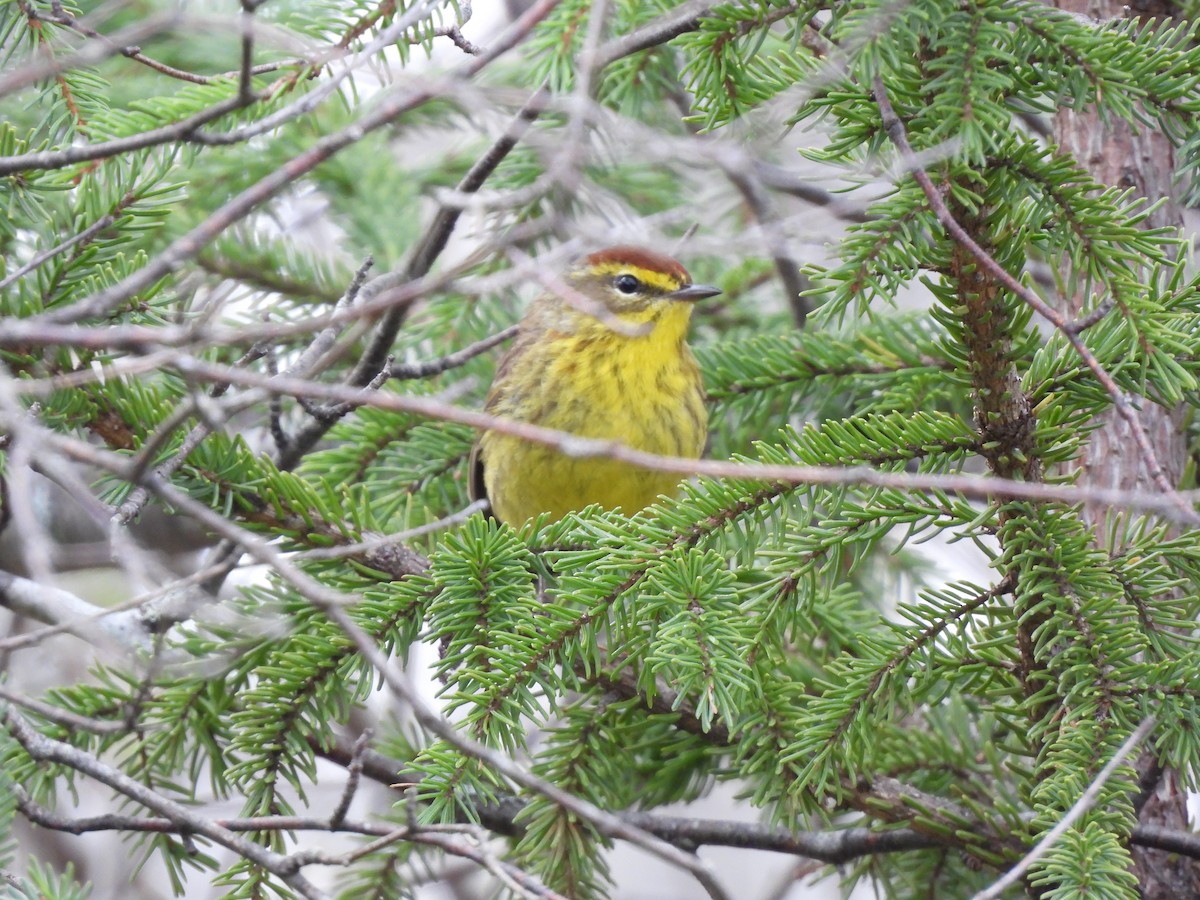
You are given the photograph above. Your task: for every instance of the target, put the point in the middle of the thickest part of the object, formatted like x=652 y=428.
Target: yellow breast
x=644 y=391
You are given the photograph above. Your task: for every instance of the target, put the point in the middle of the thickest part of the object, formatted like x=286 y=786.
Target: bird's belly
x=542 y=480
x=664 y=414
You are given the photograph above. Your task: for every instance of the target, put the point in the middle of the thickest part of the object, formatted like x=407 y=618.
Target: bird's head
x=639 y=287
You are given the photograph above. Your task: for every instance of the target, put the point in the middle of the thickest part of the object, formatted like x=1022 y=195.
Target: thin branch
x=327 y=415
x=323 y=342
x=311 y=100
x=30 y=73
x=176 y=131
x=245 y=73
x=44 y=749
x=249 y=272
x=454 y=31
x=146 y=339
x=778 y=178
x=445 y=837
x=680 y=20
x=897 y=134
x=61 y=716
x=835 y=846
x=794 y=283
x=1085 y=802
x=975 y=486
x=60 y=16
x=353 y=776
x=131 y=624
x=1185 y=843
x=384 y=113
x=438 y=235
x=407 y=371
x=55 y=606
x=84 y=237
x=390 y=540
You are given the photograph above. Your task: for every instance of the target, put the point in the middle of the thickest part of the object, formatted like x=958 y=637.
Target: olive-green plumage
x=609 y=360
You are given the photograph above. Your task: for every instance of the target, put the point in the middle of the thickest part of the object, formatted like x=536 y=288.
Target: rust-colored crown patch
x=638 y=258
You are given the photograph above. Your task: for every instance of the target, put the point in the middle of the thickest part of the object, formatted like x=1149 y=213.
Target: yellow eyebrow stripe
x=650 y=277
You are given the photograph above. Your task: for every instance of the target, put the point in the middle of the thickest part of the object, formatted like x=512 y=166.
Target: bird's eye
x=628 y=284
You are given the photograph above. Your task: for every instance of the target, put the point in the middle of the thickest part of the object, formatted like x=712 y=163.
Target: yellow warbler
x=607 y=359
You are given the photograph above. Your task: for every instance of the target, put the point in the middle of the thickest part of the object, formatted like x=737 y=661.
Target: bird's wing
x=476 y=489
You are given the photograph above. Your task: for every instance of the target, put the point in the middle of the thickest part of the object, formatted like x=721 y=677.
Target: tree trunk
x=1144 y=161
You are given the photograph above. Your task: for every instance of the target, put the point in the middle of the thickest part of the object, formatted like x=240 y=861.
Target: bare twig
x=680 y=20
x=454 y=31
x=58 y=607
x=406 y=371
x=312 y=99
x=145 y=339
x=245 y=73
x=353 y=776
x=974 y=486
x=387 y=540
x=30 y=73
x=61 y=716
x=176 y=131
x=132 y=624
x=448 y=838
x=777 y=178
x=794 y=283
x=60 y=16
x=835 y=846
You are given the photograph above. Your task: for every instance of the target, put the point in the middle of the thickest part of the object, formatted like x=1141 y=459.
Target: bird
x=604 y=355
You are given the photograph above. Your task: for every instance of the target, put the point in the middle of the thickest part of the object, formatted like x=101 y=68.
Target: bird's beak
x=694 y=292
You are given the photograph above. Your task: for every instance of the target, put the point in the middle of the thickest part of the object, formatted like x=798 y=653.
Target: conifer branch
x=333 y=602
x=896 y=132
x=79 y=241
x=1085 y=802
x=625 y=660
x=188 y=246
x=60 y=16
